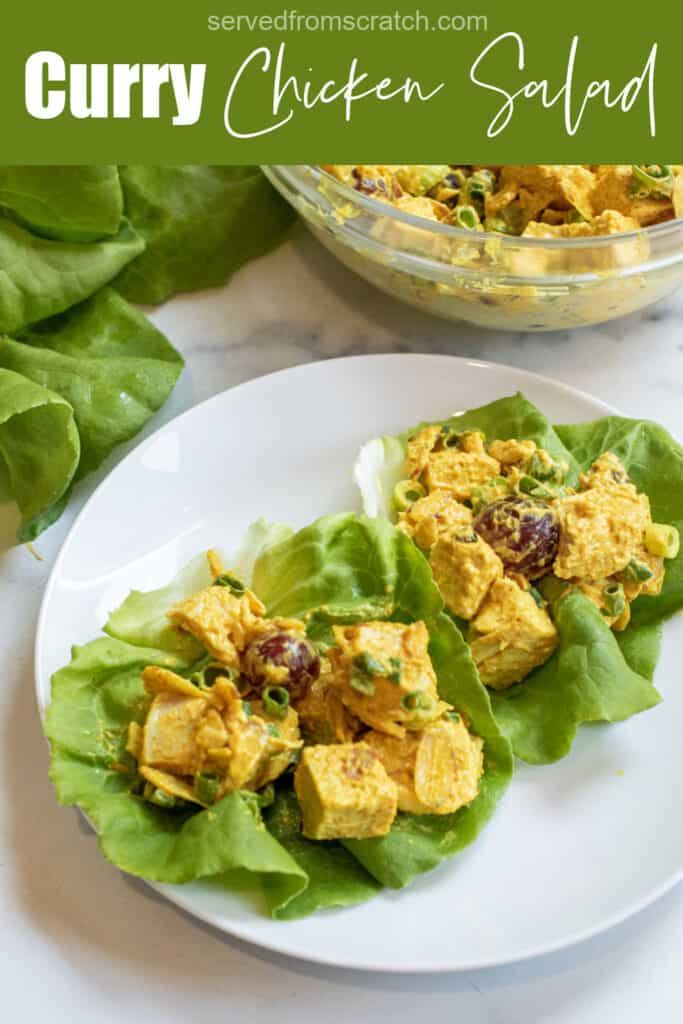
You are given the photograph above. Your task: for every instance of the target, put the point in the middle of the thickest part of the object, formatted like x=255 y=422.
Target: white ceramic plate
x=574 y=847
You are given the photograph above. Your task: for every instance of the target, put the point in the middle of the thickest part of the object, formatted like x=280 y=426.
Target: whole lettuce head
x=595 y=675
x=341 y=569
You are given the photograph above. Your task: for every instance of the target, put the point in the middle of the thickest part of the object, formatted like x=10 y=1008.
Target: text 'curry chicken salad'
x=531 y=200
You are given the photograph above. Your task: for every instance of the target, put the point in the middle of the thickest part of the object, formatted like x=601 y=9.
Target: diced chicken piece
x=602 y=526
x=464 y=568
x=436 y=514
x=222 y=621
x=169 y=734
x=418 y=450
x=287 y=730
x=564 y=186
x=511 y=452
x=436 y=771
x=459 y=472
x=384 y=675
x=344 y=792
x=612 y=191
x=324 y=717
x=653 y=585
x=510 y=636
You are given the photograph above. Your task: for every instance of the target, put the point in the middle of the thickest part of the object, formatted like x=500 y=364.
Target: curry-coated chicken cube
x=601 y=528
x=464 y=567
x=384 y=675
x=511 y=635
x=418 y=450
x=511 y=452
x=435 y=514
x=459 y=471
x=323 y=716
x=437 y=770
x=169 y=733
x=344 y=792
x=284 y=729
x=221 y=620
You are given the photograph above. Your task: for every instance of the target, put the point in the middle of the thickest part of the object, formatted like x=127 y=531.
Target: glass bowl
x=492 y=280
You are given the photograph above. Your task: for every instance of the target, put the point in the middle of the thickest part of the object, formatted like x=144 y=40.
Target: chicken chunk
x=602 y=526
x=434 y=515
x=323 y=715
x=188 y=731
x=437 y=770
x=418 y=450
x=344 y=792
x=511 y=635
x=384 y=675
x=464 y=568
x=459 y=471
x=512 y=452
x=221 y=620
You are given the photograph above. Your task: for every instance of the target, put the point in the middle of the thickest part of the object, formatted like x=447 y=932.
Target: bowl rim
x=374 y=206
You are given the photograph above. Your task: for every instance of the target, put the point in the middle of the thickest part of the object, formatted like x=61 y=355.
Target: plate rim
x=178 y=899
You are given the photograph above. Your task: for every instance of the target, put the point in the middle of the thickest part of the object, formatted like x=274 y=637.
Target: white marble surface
x=80 y=941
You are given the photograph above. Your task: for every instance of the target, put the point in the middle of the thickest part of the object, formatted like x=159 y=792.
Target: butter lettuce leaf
x=340 y=566
x=40 y=277
x=39 y=442
x=112 y=367
x=71 y=203
x=595 y=675
x=200 y=224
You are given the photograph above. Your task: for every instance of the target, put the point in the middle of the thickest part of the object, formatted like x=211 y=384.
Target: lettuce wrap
x=341 y=569
x=595 y=675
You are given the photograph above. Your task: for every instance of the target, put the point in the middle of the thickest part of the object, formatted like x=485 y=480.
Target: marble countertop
x=86 y=943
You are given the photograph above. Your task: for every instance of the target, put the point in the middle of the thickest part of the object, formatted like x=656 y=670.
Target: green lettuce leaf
x=39 y=443
x=588 y=679
x=93 y=700
x=40 y=277
x=343 y=567
x=200 y=225
x=112 y=367
x=73 y=204
x=595 y=675
x=655 y=464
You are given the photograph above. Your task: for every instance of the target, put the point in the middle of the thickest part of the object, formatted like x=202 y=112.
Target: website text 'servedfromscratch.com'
x=291 y=20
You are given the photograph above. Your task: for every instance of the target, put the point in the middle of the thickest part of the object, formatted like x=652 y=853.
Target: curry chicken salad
x=531 y=200
x=364 y=724
x=497 y=517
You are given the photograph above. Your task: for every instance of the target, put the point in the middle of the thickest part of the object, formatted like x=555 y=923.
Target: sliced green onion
x=275 y=701
x=406 y=492
x=416 y=700
x=575 y=217
x=537 y=596
x=555 y=471
x=207 y=676
x=247 y=709
x=636 y=572
x=368 y=664
x=454 y=716
x=362 y=683
x=160 y=799
x=466 y=217
x=614 y=600
x=206 y=787
x=395 y=670
x=547 y=492
x=654 y=180
x=273 y=730
x=662 y=540
x=234 y=585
